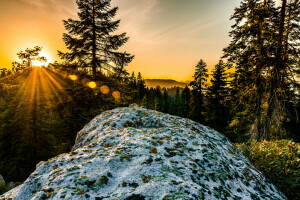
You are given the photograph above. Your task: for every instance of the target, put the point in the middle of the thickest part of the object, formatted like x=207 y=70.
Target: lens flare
x=104 y=89
x=116 y=95
x=92 y=85
x=73 y=77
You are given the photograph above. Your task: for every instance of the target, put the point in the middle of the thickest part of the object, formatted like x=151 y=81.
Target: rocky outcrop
x=134 y=153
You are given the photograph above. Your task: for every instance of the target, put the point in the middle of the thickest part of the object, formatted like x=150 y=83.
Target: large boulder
x=134 y=153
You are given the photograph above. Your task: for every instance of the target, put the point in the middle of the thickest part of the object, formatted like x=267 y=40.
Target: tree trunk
x=28 y=62
x=94 y=62
x=256 y=131
x=276 y=76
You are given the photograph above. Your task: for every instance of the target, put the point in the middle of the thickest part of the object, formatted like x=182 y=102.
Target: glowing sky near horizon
x=167 y=37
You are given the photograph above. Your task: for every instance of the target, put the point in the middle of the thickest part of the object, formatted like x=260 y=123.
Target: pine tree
x=158 y=99
x=141 y=87
x=90 y=39
x=200 y=78
x=251 y=52
x=145 y=101
x=166 y=101
x=217 y=111
x=133 y=82
x=186 y=100
x=284 y=69
x=265 y=51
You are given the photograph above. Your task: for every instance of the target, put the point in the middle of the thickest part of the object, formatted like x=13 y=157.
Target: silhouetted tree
x=141 y=87
x=166 y=101
x=282 y=74
x=90 y=39
x=217 y=115
x=30 y=54
x=185 y=102
x=200 y=78
x=265 y=53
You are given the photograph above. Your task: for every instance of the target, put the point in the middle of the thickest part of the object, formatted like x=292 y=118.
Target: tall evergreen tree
x=265 y=51
x=217 y=111
x=285 y=65
x=185 y=102
x=141 y=87
x=251 y=51
x=200 y=78
x=91 y=41
x=166 y=102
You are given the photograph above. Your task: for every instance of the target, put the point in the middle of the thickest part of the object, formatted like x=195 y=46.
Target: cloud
x=51 y=6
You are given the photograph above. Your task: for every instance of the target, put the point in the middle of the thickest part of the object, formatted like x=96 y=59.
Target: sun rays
x=41 y=90
x=44 y=88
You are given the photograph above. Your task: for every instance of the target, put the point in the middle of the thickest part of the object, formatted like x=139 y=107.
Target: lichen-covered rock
x=134 y=153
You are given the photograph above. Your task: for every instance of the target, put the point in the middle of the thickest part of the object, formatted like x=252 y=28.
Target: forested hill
x=166 y=83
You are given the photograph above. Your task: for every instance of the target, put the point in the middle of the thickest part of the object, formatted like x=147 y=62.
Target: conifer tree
x=186 y=100
x=91 y=41
x=166 y=100
x=132 y=80
x=217 y=113
x=265 y=51
x=145 y=101
x=200 y=78
x=177 y=102
x=158 y=99
x=141 y=87
x=251 y=51
x=284 y=69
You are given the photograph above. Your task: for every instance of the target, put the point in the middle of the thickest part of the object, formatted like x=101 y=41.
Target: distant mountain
x=167 y=83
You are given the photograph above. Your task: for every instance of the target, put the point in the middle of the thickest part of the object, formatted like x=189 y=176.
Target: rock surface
x=134 y=153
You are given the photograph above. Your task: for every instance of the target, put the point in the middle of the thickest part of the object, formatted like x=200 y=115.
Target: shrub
x=278 y=161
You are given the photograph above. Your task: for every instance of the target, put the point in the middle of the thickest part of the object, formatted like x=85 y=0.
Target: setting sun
x=37 y=63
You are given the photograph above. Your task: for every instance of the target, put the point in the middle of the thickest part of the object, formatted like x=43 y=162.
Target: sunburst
x=37 y=63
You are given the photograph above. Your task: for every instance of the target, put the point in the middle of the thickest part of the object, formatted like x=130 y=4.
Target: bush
x=278 y=161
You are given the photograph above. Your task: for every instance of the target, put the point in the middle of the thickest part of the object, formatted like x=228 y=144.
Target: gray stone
x=40 y=163
x=135 y=153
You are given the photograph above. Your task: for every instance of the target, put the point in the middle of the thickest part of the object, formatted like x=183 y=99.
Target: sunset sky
x=167 y=37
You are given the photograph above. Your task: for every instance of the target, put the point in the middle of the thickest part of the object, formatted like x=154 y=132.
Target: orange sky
x=168 y=37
